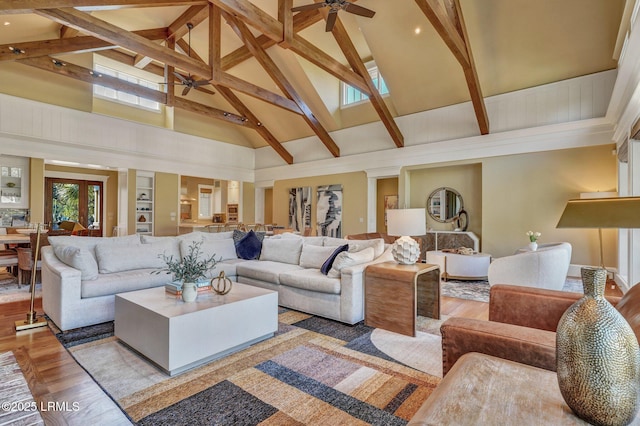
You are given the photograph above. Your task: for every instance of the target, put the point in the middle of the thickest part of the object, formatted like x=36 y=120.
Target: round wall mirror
x=444 y=204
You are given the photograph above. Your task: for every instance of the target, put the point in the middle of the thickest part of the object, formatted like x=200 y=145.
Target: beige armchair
x=546 y=267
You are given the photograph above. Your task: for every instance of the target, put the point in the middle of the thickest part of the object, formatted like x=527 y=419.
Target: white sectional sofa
x=81 y=275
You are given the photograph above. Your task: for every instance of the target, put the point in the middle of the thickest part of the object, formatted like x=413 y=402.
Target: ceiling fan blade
x=186 y=90
x=200 y=83
x=308 y=7
x=331 y=20
x=359 y=10
x=180 y=77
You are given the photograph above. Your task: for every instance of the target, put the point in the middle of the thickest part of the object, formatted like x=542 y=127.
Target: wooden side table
x=394 y=294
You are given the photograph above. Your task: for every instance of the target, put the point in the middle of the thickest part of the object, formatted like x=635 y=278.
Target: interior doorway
x=74 y=200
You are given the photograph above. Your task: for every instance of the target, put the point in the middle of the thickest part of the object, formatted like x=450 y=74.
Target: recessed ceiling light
x=417 y=31
x=6 y=23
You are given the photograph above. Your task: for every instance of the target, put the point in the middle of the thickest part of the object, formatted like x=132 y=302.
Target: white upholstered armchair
x=546 y=267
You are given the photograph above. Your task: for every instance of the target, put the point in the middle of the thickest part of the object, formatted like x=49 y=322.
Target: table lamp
x=595 y=345
x=403 y=223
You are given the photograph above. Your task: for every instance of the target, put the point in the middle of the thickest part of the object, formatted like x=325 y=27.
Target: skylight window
x=352 y=96
x=127 y=98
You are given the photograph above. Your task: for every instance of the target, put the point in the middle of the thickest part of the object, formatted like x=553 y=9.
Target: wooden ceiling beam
x=281 y=81
x=301 y=21
x=194 y=15
x=237 y=104
x=311 y=53
x=350 y=52
x=109 y=32
x=471 y=74
x=252 y=15
x=243 y=86
x=169 y=77
x=448 y=21
x=27 y=6
x=34 y=49
x=84 y=74
x=439 y=18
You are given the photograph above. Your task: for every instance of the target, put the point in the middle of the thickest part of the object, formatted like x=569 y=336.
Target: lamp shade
x=406 y=222
x=617 y=212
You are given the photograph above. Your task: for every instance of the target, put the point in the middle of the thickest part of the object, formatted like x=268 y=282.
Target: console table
x=394 y=294
x=485 y=390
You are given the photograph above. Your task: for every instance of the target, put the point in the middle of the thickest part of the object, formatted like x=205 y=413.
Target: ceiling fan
x=189 y=82
x=334 y=6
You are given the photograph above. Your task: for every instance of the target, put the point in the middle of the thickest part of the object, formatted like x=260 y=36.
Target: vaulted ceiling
x=275 y=75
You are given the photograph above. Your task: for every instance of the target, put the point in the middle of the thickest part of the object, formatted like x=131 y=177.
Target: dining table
x=22 y=239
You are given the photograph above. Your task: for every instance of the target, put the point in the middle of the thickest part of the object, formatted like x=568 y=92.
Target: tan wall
x=268 y=205
x=36 y=190
x=464 y=178
x=166 y=204
x=529 y=192
x=31 y=83
x=110 y=189
x=248 y=202
x=127 y=112
x=354 y=199
x=385 y=187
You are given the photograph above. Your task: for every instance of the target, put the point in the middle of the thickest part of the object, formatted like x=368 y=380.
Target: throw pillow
x=326 y=266
x=313 y=256
x=117 y=258
x=376 y=243
x=249 y=246
x=78 y=258
x=238 y=235
x=285 y=250
x=346 y=259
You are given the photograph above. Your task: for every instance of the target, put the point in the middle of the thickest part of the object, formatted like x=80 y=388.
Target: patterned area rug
x=10 y=292
x=313 y=371
x=479 y=290
x=18 y=405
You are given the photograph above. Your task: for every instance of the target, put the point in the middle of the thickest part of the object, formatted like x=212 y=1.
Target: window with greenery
x=116 y=95
x=351 y=95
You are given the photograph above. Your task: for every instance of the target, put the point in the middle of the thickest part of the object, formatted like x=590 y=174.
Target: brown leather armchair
x=522 y=324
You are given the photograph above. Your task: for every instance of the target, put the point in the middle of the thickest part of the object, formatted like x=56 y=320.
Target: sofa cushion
x=172 y=244
x=346 y=259
x=206 y=236
x=228 y=266
x=313 y=241
x=313 y=256
x=117 y=258
x=334 y=242
x=312 y=280
x=120 y=282
x=78 y=258
x=249 y=246
x=285 y=250
x=223 y=249
x=328 y=263
x=359 y=245
x=265 y=270
x=89 y=243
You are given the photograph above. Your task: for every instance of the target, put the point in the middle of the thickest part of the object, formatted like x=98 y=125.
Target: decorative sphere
x=406 y=251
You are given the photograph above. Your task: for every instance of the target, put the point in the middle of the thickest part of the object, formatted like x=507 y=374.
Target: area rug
x=10 y=292
x=479 y=290
x=18 y=405
x=313 y=371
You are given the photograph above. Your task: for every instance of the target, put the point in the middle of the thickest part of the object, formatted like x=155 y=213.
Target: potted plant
x=189 y=269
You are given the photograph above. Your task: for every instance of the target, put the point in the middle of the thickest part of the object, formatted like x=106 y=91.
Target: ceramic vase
x=533 y=246
x=189 y=292
x=598 y=360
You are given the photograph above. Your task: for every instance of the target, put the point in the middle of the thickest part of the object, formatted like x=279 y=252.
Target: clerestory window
x=352 y=95
x=127 y=98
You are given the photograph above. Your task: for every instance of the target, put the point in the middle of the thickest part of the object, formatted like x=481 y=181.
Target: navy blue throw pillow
x=326 y=266
x=249 y=246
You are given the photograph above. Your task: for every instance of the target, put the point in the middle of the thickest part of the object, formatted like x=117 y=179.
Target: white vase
x=189 y=292
x=533 y=246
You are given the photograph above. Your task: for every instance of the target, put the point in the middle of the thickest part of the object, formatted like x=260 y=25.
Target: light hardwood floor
x=54 y=376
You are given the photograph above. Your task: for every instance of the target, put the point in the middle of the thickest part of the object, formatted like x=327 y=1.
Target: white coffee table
x=177 y=336
x=460 y=266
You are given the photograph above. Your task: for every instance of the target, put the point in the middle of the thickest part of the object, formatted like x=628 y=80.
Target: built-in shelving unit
x=14 y=172
x=145 y=191
x=232 y=213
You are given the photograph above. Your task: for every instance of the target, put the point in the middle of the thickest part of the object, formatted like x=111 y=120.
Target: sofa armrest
x=61 y=285
x=529 y=306
x=520 y=344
